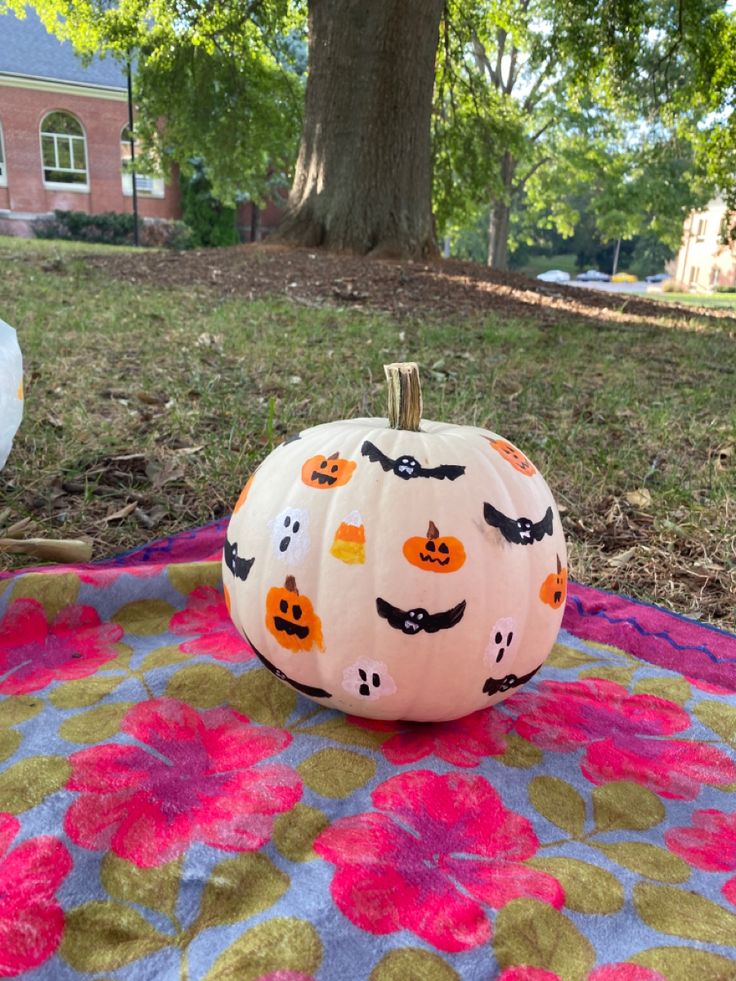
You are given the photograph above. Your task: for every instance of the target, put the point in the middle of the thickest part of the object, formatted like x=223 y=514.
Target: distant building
x=704 y=262
x=63 y=137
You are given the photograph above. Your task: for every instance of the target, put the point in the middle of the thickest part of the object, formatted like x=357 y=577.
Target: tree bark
x=498 y=223
x=363 y=180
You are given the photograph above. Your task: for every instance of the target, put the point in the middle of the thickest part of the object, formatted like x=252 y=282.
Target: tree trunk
x=498 y=223
x=363 y=180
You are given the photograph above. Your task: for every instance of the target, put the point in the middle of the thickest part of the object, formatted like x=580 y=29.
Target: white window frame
x=145 y=184
x=3 y=161
x=70 y=140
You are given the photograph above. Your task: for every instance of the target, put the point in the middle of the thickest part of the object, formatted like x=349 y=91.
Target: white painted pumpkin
x=11 y=389
x=397 y=574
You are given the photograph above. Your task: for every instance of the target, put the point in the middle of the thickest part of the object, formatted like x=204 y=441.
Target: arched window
x=3 y=171
x=64 y=151
x=145 y=183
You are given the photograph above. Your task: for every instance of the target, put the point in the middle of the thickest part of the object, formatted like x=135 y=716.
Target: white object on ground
x=11 y=389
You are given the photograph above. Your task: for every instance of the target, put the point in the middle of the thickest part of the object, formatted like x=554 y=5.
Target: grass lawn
x=148 y=406
x=714 y=301
x=566 y=261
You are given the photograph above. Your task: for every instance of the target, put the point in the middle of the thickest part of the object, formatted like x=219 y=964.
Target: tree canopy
x=539 y=106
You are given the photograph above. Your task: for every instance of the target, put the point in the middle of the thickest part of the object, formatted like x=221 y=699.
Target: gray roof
x=26 y=48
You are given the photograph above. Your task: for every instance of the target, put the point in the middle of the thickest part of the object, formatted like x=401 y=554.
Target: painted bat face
x=413 y=621
x=525 y=529
x=407 y=466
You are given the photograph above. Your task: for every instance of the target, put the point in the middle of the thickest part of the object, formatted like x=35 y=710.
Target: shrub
x=212 y=223
x=165 y=234
x=109 y=227
x=114 y=228
x=726 y=289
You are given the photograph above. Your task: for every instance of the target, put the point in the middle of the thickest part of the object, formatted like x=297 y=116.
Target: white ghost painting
x=290 y=535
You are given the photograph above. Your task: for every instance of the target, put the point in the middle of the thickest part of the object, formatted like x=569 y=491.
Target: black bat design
x=239 y=567
x=495 y=685
x=518 y=531
x=304 y=689
x=407 y=467
x=413 y=621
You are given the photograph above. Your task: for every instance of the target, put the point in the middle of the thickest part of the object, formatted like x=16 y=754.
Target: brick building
x=62 y=137
x=704 y=261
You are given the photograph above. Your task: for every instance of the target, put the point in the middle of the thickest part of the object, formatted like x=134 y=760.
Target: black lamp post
x=131 y=139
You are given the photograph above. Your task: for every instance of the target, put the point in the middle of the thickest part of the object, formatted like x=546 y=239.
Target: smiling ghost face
x=290 y=535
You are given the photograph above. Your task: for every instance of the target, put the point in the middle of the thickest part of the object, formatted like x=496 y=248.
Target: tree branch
x=535 y=136
x=534 y=96
x=521 y=183
x=511 y=79
x=481 y=60
x=501 y=36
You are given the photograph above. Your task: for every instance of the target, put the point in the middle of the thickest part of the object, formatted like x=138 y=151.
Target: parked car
x=593 y=276
x=658 y=278
x=623 y=277
x=554 y=276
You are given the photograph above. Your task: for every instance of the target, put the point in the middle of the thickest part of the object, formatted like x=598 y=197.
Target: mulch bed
x=439 y=289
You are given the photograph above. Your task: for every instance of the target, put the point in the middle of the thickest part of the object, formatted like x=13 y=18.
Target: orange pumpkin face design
x=324 y=472
x=515 y=457
x=434 y=553
x=554 y=587
x=291 y=618
x=243 y=494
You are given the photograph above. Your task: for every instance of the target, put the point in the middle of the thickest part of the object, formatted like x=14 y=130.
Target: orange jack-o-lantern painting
x=334 y=591
x=515 y=457
x=554 y=587
x=291 y=618
x=324 y=472
x=435 y=552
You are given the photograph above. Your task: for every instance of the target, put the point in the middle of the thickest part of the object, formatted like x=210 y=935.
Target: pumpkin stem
x=559 y=566
x=290 y=584
x=404 y=395
x=432 y=531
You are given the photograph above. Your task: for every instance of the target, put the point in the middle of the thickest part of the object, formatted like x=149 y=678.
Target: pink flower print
x=436 y=848
x=33 y=653
x=196 y=776
x=625 y=972
x=622 y=735
x=206 y=615
x=709 y=844
x=462 y=742
x=31 y=920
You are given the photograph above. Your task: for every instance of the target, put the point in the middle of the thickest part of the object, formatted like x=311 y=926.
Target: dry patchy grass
x=148 y=405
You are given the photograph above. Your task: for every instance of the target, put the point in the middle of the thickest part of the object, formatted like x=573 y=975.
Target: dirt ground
x=445 y=288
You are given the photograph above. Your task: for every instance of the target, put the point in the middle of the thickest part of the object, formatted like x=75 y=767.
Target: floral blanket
x=170 y=810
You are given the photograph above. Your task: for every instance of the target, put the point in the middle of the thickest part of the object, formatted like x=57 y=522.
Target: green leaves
x=624 y=806
x=336 y=773
x=533 y=933
x=239 y=888
x=280 y=944
x=103 y=936
x=559 y=802
x=28 y=782
x=588 y=888
x=295 y=831
x=156 y=888
x=647 y=859
x=684 y=914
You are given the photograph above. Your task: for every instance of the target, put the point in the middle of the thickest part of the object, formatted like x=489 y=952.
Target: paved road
x=638 y=287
